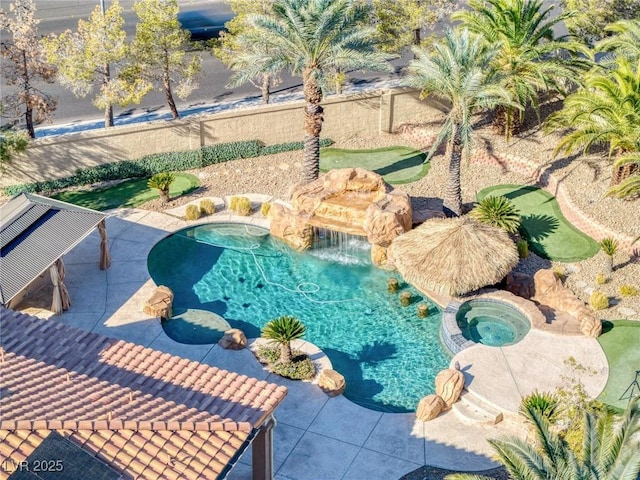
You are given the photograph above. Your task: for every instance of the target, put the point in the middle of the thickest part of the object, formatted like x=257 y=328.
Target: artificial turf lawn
x=548 y=232
x=620 y=341
x=396 y=164
x=129 y=193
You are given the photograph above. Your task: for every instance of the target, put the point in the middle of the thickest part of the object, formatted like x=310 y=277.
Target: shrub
x=523 y=248
x=599 y=300
x=301 y=366
x=290 y=146
x=207 y=207
x=264 y=208
x=192 y=212
x=545 y=404
x=559 y=272
x=240 y=205
x=628 y=291
x=497 y=212
x=601 y=279
x=224 y=152
x=162 y=181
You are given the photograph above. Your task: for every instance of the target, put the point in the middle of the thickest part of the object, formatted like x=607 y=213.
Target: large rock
x=351 y=200
x=430 y=407
x=292 y=229
x=160 y=303
x=449 y=385
x=233 y=339
x=550 y=291
x=331 y=382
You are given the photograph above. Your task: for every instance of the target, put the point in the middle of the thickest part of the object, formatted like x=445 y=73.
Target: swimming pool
x=388 y=355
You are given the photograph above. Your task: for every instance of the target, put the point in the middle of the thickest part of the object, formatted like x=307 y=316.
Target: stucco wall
x=346 y=116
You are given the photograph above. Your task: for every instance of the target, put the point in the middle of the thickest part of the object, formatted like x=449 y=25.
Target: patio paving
x=318 y=436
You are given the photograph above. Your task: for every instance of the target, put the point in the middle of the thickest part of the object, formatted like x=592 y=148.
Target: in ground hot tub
x=489 y=321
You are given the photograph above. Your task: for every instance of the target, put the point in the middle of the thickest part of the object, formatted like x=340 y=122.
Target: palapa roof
x=454 y=255
x=147 y=414
x=34 y=232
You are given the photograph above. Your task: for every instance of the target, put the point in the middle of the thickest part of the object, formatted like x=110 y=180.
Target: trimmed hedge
x=160 y=162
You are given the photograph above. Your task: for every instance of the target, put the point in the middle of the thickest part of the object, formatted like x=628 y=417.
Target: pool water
x=492 y=323
x=388 y=355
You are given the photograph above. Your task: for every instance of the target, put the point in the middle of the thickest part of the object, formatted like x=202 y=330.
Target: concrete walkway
x=317 y=436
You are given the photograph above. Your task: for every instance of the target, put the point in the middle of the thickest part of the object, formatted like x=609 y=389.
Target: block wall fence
x=346 y=116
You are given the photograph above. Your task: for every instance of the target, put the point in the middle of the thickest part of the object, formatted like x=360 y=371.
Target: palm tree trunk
x=506 y=121
x=452 y=205
x=312 y=125
x=285 y=353
x=623 y=172
x=265 y=88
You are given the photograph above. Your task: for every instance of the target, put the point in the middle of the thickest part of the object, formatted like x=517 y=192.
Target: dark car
x=203 y=25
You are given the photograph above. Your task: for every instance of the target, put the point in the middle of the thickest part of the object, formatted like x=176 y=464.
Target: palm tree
x=458 y=71
x=162 y=182
x=606 y=112
x=311 y=38
x=497 y=211
x=609 y=450
x=529 y=52
x=624 y=42
x=282 y=331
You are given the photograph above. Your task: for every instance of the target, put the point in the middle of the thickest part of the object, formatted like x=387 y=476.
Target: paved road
x=59 y=15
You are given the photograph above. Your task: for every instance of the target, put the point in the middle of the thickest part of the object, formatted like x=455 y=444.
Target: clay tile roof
x=112 y=398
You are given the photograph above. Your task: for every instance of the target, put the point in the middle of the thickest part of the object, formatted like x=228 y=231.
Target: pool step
x=472 y=409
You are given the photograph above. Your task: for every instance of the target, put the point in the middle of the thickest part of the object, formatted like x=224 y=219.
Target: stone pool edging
x=541 y=176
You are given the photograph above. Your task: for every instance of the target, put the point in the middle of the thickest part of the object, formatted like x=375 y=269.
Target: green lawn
x=620 y=341
x=129 y=193
x=548 y=232
x=396 y=164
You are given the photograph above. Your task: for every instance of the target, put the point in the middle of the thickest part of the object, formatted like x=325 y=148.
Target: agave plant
x=546 y=404
x=162 y=181
x=609 y=246
x=282 y=331
x=497 y=211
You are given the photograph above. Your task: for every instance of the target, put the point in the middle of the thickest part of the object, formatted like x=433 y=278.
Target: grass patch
x=548 y=232
x=620 y=340
x=129 y=193
x=300 y=368
x=397 y=165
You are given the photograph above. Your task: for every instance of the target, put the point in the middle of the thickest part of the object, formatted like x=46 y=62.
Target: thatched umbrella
x=454 y=255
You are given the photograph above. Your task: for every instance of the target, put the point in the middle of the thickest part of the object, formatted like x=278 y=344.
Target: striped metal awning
x=34 y=232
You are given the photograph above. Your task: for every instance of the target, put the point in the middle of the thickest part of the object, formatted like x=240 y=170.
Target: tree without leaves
x=158 y=53
x=400 y=22
x=25 y=65
x=529 y=55
x=312 y=38
x=226 y=48
x=457 y=69
x=84 y=57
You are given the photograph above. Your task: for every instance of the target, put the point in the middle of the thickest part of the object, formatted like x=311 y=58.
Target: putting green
x=396 y=164
x=620 y=340
x=548 y=232
x=129 y=193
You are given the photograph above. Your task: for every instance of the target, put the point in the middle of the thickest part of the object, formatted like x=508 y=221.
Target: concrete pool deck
x=318 y=436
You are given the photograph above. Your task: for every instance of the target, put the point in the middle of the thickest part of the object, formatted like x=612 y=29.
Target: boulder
x=292 y=229
x=378 y=255
x=550 y=291
x=160 y=303
x=430 y=407
x=387 y=218
x=449 y=385
x=233 y=339
x=331 y=382
x=520 y=284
